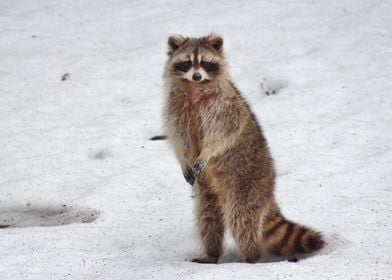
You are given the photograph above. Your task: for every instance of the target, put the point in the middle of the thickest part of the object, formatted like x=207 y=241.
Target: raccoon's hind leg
x=244 y=214
x=209 y=221
x=245 y=224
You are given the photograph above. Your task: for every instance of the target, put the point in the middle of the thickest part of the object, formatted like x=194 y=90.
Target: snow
x=88 y=196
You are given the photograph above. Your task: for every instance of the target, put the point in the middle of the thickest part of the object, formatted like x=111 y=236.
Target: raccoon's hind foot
x=206 y=259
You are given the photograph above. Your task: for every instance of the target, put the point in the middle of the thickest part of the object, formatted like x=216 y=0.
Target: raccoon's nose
x=196 y=76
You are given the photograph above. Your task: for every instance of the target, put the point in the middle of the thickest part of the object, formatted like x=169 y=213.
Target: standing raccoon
x=223 y=152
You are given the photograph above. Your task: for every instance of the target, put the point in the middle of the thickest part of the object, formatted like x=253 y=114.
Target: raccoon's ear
x=174 y=42
x=215 y=41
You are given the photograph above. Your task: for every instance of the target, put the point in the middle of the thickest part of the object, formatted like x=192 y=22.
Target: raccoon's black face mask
x=196 y=59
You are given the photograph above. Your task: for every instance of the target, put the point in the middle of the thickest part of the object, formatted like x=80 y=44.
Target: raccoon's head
x=197 y=60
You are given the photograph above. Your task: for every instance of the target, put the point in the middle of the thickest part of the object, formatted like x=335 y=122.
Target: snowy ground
x=75 y=154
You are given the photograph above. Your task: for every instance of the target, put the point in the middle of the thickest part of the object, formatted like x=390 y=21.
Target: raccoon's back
x=248 y=160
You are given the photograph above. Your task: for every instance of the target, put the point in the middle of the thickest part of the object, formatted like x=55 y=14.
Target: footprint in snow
x=100 y=154
x=38 y=216
x=270 y=86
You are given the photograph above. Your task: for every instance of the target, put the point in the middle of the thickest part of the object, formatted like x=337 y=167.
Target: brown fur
x=209 y=124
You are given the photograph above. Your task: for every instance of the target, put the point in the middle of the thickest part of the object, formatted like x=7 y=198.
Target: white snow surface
x=86 y=195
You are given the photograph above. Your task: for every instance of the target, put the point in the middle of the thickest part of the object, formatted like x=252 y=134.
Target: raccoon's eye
x=183 y=66
x=210 y=67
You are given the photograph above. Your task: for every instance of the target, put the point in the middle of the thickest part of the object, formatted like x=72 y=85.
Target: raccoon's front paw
x=198 y=167
x=189 y=176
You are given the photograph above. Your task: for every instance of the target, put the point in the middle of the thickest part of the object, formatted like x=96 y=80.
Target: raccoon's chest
x=186 y=110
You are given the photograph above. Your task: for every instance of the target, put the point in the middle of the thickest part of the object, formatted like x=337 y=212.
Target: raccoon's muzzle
x=196 y=76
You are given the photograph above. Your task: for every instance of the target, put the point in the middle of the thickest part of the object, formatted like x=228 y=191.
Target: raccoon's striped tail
x=285 y=238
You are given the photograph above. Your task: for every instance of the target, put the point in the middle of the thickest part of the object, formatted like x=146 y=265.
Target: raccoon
x=223 y=153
